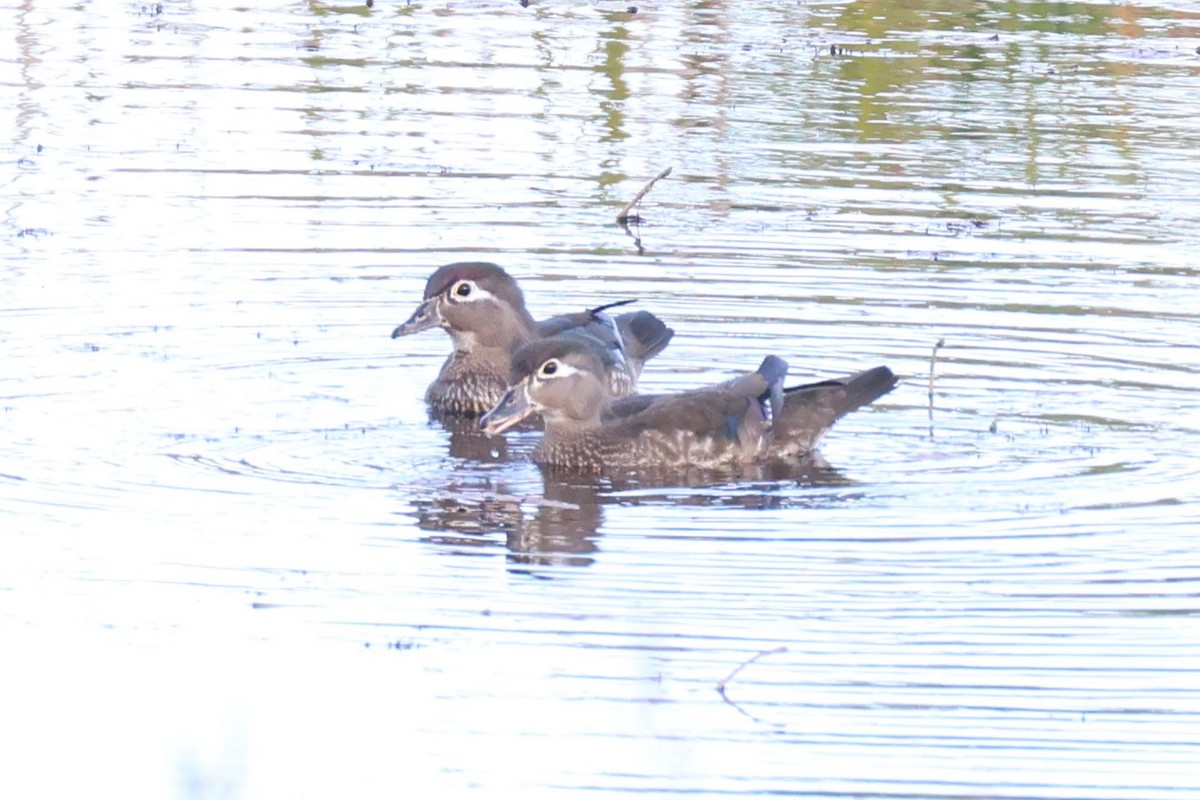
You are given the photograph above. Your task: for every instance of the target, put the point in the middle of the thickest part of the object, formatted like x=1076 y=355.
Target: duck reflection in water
x=554 y=518
x=481 y=498
x=468 y=443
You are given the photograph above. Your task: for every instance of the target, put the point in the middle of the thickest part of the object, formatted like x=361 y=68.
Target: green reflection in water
x=615 y=46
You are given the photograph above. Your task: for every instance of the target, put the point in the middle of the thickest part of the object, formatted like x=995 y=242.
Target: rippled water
x=239 y=560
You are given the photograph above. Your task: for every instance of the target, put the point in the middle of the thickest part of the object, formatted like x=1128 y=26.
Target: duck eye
x=549 y=368
x=463 y=289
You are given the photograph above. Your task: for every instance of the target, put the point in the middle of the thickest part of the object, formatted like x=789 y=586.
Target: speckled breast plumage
x=464 y=391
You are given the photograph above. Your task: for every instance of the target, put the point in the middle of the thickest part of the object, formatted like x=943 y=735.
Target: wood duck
x=741 y=421
x=483 y=310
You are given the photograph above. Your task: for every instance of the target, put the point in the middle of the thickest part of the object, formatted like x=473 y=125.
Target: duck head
x=563 y=378
x=477 y=303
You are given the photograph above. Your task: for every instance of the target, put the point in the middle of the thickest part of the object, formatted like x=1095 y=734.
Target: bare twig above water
x=625 y=217
x=932 y=365
x=721 y=686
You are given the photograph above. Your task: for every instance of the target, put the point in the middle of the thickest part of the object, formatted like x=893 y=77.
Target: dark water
x=239 y=561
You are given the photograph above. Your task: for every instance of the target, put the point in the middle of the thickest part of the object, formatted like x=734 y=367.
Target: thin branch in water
x=721 y=686
x=624 y=216
x=932 y=364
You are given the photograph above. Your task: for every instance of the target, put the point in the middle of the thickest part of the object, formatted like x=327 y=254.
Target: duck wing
x=734 y=410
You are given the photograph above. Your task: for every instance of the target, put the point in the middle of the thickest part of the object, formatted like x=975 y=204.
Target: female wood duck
x=483 y=310
x=743 y=420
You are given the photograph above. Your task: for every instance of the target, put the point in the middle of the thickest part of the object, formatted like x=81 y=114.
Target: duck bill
x=425 y=317
x=511 y=409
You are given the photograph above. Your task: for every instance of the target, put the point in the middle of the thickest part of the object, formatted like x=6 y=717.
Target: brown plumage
x=483 y=310
x=741 y=421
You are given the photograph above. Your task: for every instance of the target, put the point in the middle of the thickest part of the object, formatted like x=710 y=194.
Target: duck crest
x=445 y=277
x=526 y=360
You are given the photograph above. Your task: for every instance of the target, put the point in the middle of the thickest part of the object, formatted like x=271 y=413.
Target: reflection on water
x=559 y=527
x=468 y=443
x=241 y=560
x=560 y=523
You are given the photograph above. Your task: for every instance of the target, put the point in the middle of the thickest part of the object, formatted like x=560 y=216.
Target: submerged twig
x=624 y=216
x=721 y=686
x=637 y=240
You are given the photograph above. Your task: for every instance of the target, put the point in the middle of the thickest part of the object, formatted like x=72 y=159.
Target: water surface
x=240 y=560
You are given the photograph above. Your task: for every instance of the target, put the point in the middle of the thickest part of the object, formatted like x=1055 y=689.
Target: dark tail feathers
x=644 y=334
x=810 y=410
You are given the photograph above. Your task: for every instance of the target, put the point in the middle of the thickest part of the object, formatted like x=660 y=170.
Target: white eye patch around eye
x=474 y=293
x=561 y=370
